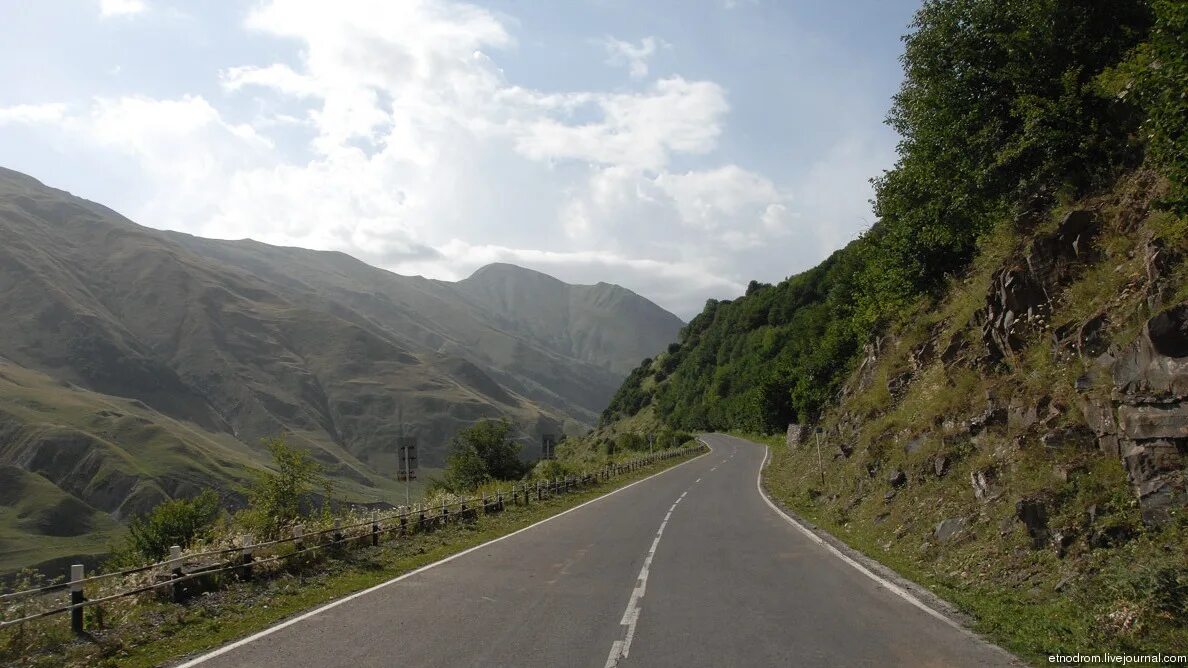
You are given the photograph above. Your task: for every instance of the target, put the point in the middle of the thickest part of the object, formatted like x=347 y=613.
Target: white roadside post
x=820 y=466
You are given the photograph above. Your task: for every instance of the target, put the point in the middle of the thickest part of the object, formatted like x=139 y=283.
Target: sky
x=680 y=148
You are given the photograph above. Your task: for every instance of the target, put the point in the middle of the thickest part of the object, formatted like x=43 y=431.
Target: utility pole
x=403 y=451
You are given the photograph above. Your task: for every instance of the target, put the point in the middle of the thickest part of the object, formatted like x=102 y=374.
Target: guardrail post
x=445 y=514
x=76 y=598
x=374 y=530
x=246 y=556
x=299 y=537
x=175 y=555
x=499 y=499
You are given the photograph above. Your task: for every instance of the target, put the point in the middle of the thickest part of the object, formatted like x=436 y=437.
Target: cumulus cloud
x=121 y=7
x=31 y=114
x=633 y=57
x=419 y=153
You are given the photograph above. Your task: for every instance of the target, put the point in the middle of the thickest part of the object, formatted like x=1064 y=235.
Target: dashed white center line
x=620 y=648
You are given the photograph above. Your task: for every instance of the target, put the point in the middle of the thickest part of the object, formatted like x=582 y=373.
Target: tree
x=482 y=452
x=174 y=522
x=276 y=496
x=465 y=470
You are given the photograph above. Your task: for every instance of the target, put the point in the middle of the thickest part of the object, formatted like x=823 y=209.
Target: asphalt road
x=688 y=568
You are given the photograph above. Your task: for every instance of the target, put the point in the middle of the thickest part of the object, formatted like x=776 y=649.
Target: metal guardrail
x=426 y=518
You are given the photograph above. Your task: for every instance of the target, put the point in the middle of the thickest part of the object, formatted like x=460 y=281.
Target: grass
x=1007 y=588
x=149 y=632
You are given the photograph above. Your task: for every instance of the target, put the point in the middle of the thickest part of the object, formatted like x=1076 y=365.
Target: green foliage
x=1156 y=78
x=630 y=442
x=479 y=453
x=551 y=469
x=276 y=496
x=465 y=470
x=1000 y=114
x=999 y=110
x=174 y=522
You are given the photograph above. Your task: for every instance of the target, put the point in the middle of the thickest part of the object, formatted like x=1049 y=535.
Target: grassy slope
x=1033 y=601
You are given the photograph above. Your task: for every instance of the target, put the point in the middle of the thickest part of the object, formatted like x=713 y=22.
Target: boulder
x=1091 y=337
x=1156 y=472
x=1052 y=257
x=984 y=484
x=794 y=435
x=1111 y=536
x=947 y=529
x=897 y=479
x=1157 y=362
x=1033 y=513
x=1153 y=421
x=1076 y=437
x=940 y=465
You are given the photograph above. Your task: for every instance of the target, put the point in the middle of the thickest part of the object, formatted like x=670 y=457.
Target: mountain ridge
x=143 y=364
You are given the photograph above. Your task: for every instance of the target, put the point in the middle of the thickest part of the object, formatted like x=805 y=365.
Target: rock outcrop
x=1020 y=294
x=1145 y=421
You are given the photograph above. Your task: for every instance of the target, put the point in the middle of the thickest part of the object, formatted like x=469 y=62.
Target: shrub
x=276 y=496
x=479 y=453
x=174 y=522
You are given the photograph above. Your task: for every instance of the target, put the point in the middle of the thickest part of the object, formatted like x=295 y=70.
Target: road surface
x=691 y=567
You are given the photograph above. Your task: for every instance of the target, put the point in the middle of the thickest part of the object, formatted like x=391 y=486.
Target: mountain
x=138 y=365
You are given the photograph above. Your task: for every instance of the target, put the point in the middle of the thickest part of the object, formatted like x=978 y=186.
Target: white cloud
x=634 y=58
x=121 y=7
x=415 y=151
x=30 y=114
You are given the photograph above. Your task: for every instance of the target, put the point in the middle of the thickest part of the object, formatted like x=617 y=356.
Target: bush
x=276 y=496
x=479 y=453
x=175 y=522
x=551 y=469
x=630 y=442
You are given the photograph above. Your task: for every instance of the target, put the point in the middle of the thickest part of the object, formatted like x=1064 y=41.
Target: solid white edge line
x=890 y=586
x=334 y=604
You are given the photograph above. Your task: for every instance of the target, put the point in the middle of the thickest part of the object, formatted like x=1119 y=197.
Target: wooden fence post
x=337 y=535
x=299 y=537
x=374 y=529
x=76 y=598
x=246 y=543
x=175 y=555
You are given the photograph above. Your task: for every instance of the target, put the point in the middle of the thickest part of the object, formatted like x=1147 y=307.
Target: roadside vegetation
x=149 y=629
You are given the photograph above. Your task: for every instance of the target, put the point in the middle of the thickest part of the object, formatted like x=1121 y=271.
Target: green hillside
x=998 y=367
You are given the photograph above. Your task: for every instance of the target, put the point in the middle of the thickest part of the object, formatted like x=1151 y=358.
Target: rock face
x=1020 y=294
x=1146 y=421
